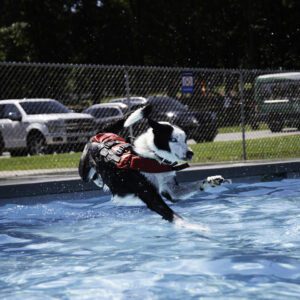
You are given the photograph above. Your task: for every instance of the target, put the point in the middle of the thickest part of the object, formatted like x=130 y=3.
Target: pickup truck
x=40 y=126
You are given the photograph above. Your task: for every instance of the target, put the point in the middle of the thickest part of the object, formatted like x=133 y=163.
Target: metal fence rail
x=229 y=115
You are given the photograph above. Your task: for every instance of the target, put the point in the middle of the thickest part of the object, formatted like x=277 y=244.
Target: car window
x=113 y=112
x=7 y=109
x=1 y=111
x=136 y=106
x=43 y=107
x=164 y=104
x=122 y=100
x=96 y=112
x=104 y=112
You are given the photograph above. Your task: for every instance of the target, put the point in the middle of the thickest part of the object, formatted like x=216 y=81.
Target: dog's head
x=168 y=141
x=162 y=140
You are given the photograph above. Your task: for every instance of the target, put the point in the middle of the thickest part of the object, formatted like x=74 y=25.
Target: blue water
x=55 y=247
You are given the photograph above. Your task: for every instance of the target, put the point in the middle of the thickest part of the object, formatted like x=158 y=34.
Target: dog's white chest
x=159 y=180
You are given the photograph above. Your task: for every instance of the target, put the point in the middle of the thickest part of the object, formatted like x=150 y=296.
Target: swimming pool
x=73 y=247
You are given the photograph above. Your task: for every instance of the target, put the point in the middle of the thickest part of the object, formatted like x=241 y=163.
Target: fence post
x=241 y=88
x=127 y=88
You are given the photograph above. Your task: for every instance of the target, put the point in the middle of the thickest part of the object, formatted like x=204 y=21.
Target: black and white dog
x=145 y=169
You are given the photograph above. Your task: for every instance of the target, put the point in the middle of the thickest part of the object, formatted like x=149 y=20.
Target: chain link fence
x=49 y=111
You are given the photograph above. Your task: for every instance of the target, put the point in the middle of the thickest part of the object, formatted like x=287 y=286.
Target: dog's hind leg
x=87 y=167
x=84 y=167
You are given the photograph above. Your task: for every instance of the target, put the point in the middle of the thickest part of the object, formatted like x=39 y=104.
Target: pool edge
x=70 y=182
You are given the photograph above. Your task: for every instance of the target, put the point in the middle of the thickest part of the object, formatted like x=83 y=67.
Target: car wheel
x=275 y=126
x=1 y=145
x=19 y=152
x=36 y=143
x=254 y=125
x=209 y=137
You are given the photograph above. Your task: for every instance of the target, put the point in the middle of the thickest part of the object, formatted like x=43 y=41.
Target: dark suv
x=200 y=126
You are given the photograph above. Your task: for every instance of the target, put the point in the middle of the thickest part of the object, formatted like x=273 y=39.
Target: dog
x=145 y=169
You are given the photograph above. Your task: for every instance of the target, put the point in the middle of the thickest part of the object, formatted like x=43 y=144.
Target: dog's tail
x=138 y=115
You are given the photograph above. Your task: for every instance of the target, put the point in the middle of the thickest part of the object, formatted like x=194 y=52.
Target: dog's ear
x=155 y=125
x=147 y=110
x=162 y=134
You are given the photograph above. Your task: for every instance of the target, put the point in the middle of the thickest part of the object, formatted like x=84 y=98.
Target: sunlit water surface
x=92 y=248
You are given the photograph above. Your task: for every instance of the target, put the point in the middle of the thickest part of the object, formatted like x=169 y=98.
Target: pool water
x=56 y=247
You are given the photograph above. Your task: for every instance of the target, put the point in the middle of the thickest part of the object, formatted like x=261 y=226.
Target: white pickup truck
x=39 y=126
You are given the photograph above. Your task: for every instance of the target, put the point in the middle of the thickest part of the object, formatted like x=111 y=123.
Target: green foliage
x=14 y=42
x=266 y=148
x=210 y=33
x=66 y=160
x=232 y=129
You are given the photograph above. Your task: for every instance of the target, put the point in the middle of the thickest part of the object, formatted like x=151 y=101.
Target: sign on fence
x=187 y=82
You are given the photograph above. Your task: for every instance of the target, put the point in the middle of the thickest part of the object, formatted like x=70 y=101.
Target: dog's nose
x=189 y=154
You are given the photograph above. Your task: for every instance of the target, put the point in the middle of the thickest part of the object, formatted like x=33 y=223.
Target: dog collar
x=175 y=166
x=165 y=161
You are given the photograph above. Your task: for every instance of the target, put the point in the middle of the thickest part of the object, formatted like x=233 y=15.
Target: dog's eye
x=173 y=140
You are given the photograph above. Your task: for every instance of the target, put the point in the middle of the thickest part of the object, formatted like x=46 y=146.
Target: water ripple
x=95 y=249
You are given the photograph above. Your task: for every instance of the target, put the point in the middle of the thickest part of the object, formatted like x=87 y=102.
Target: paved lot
x=254 y=135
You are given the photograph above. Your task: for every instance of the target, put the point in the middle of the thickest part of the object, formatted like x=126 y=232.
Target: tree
x=15 y=42
x=207 y=33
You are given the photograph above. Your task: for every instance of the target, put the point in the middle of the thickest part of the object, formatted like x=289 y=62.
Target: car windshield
x=43 y=107
x=132 y=100
x=280 y=90
x=164 y=104
x=103 y=112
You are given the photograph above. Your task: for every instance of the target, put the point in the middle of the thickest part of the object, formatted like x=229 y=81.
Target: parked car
x=200 y=126
x=129 y=100
x=105 y=113
x=277 y=99
x=37 y=126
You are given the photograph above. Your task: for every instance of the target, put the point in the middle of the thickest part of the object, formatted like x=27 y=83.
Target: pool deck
x=20 y=184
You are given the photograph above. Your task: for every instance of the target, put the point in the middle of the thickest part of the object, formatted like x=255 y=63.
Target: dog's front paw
x=213 y=181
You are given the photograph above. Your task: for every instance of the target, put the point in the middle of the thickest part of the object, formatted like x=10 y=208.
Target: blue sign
x=187 y=82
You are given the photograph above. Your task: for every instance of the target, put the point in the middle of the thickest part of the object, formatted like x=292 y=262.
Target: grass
x=55 y=161
x=232 y=129
x=266 y=148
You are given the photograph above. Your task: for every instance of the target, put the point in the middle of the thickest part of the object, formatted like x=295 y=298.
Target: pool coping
x=68 y=181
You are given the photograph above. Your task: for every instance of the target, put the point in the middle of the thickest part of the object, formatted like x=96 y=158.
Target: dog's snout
x=189 y=154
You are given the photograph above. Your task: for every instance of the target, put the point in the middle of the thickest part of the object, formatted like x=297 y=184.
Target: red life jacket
x=122 y=155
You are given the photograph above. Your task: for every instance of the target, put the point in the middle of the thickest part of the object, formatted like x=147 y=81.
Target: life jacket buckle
x=122 y=149
x=104 y=151
x=110 y=144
